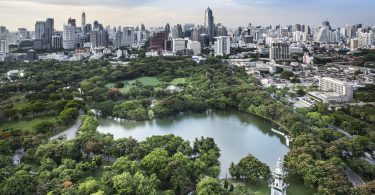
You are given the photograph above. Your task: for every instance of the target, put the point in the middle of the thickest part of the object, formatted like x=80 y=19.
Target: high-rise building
x=4 y=47
x=69 y=36
x=48 y=32
x=197 y=32
x=167 y=28
x=195 y=46
x=221 y=30
x=209 y=24
x=128 y=36
x=354 y=44
x=177 y=31
x=279 y=51
x=39 y=29
x=222 y=46
x=178 y=44
x=57 y=41
x=158 y=41
x=72 y=22
x=83 y=21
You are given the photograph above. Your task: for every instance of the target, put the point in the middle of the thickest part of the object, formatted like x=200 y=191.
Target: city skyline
x=232 y=13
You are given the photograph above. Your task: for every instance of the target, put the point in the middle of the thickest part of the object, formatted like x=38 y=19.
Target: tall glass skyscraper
x=209 y=24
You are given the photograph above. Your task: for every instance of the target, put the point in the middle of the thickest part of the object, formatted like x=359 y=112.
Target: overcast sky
x=232 y=13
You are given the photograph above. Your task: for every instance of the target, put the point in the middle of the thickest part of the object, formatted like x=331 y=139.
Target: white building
x=278 y=187
x=4 y=47
x=195 y=46
x=365 y=40
x=333 y=91
x=178 y=44
x=222 y=46
x=354 y=44
x=69 y=36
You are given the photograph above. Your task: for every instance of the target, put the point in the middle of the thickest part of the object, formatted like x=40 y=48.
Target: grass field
x=26 y=124
x=178 y=81
x=146 y=81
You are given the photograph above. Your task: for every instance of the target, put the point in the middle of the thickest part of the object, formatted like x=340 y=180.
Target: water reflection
x=237 y=134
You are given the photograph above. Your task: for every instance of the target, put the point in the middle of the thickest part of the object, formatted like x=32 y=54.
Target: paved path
x=69 y=133
x=354 y=178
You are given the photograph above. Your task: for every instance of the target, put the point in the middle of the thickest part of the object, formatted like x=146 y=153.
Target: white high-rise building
x=178 y=44
x=4 y=47
x=222 y=46
x=195 y=46
x=39 y=29
x=354 y=44
x=69 y=36
x=365 y=40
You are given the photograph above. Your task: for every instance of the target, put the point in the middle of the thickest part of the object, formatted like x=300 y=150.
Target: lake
x=236 y=134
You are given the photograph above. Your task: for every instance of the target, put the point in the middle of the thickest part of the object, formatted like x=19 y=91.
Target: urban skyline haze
x=232 y=13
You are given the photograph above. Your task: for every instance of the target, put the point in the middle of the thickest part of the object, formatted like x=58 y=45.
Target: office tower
x=333 y=85
x=279 y=51
x=119 y=38
x=72 y=22
x=158 y=40
x=188 y=26
x=197 y=32
x=39 y=29
x=209 y=24
x=178 y=44
x=83 y=22
x=69 y=36
x=222 y=46
x=48 y=32
x=57 y=42
x=88 y=28
x=128 y=36
x=365 y=39
x=177 y=31
x=4 y=47
x=195 y=46
x=167 y=28
x=221 y=30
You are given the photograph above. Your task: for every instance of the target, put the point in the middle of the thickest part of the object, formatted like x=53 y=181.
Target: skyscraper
x=83 y=22
x=39 y=29
x=222 y=46
x=69 y=36
x=209 y=24
x=167 y=28
x=48 y=32
x=177 y=31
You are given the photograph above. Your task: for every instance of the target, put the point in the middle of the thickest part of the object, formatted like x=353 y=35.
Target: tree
x=252 y=169
x=20 y=183
x=208 y=186
x=287 y=75
x=88 y=187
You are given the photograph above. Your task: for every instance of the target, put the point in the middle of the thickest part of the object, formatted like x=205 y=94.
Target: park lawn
x=26 y=124
x=178 y=81
x=129 y=84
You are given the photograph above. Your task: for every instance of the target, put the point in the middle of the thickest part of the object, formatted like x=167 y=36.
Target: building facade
x=279 y=51
x=222 y=46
